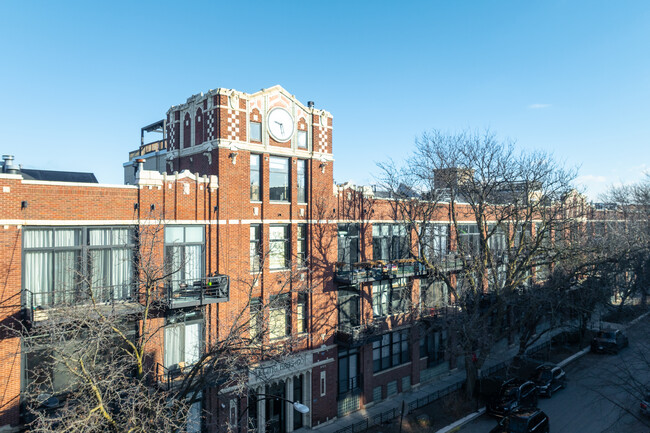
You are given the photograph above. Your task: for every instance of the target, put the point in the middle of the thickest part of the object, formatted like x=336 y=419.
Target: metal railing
x=209 y=290
x=39 y=306
x=348 y=335
x=368 y=271
x=351 y=384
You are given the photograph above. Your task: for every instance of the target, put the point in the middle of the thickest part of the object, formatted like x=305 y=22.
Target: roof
x=58 y=176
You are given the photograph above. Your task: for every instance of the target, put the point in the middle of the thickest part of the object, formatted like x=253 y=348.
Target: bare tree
x=93 y=362
x=486 y=219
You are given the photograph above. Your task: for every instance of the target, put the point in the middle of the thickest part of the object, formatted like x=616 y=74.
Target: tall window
x=469 y=238
x=433 y=345
x=393 y=349
x=279 y=246
x=184 y=253
x=497 y=241
x=256 y=319
x=183 y=339
x=302 y=180
x=62 y=264
x=348 y=243
x=279 y=316
x=348 y=307
x=301 y=250
x=390 y=241
x=390 y=297
x=301 y=313
x=256 y=177
x=434 y=293
x=278 y=179
x=256 y=131
x=436 y=240
x=348 y=370
x=255 y=247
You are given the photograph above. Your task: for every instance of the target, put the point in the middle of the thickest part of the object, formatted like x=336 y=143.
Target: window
x=184 y=254
x=390 y=297
x=256 y=319
x=348 y=370
x=302 y=180
x=256 y=131
x=497 y=241
x=256 y=178
x=183 y=339
x=433 y=345
x=393 y=349
x=278 y=179
x=255 y=247
x=348 y=243
x=436 y=240
x=301 y=245
x=302 y=139
x=301 y=313
x=468 y=239
x=279 y=316
x=390 y=241
x=434 y=293
x=348 y=308
x=61 y=263
x=278 y=246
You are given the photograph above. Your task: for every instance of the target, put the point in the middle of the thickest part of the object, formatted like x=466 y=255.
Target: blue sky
x=79 y=79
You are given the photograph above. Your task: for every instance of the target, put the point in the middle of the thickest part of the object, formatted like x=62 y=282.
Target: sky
x=79 y=79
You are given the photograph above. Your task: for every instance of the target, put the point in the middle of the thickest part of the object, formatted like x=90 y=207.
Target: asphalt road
x=597 y=397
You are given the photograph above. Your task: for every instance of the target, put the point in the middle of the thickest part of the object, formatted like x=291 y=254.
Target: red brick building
x=243 y=185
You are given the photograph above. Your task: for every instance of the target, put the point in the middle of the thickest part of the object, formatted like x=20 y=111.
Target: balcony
x=440 y=313
x=64 y=305
x=351 y=385
x=356 y=336
x=209 y=290
x=363 y=272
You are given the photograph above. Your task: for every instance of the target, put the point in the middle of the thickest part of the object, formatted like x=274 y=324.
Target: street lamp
x=296 y=405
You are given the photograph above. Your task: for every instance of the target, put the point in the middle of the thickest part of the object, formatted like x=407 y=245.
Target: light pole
x=296 y=405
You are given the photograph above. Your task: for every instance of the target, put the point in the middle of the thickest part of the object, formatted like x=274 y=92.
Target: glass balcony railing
x=209 y=290
x=377 y=270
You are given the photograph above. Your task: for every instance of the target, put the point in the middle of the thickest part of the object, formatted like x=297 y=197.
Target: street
x=595 y=382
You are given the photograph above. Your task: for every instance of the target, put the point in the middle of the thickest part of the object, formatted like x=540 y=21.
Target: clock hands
x=281 y=127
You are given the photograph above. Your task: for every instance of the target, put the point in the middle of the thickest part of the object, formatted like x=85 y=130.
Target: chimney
x=310 y=104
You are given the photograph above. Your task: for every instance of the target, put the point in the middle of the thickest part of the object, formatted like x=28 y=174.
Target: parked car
x=609 y=341
x=523 y=420
x=514 y=393
x=549 y=378
x=645 y=403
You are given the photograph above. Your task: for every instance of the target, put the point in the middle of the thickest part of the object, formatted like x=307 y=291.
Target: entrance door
x=275 y=408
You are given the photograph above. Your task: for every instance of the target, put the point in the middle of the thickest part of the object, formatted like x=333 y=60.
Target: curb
x=455 y=426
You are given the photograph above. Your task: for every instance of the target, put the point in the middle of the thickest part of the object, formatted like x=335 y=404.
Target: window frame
x=279 y=244
x=255 y=247
x=393 y=350
x=274 y=174
x=302 y=182
x=170 y=248
x=182 y=320
x=255 y=126
x=255 y=178
x=280 y=304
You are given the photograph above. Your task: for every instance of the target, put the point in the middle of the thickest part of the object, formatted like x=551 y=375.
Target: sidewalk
x=422 y=395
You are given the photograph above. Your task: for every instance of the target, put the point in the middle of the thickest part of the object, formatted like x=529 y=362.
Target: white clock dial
x=280 y=124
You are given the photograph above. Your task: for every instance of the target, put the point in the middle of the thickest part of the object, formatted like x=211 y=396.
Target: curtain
x=65 y=273
x=172 y=346
x=122 y=275
x=192 y=263
x=38 y=279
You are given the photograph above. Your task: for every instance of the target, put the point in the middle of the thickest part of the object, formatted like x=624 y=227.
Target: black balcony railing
x=350 y=385
x=41 y=306
x=363 y=272
x=209 y=290
x=443 y=312
x=355 y=336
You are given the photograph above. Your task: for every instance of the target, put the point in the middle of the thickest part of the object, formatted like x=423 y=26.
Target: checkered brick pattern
x=322 y=139
x=233 y=125
x=171 y=136
x=210 y=126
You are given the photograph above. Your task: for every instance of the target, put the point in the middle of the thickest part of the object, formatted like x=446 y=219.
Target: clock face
x=280 y=124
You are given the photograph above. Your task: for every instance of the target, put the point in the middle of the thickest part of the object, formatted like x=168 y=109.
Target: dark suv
x=609 y=340
x=528 y=420
x=514 y=393
x=549 y=378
